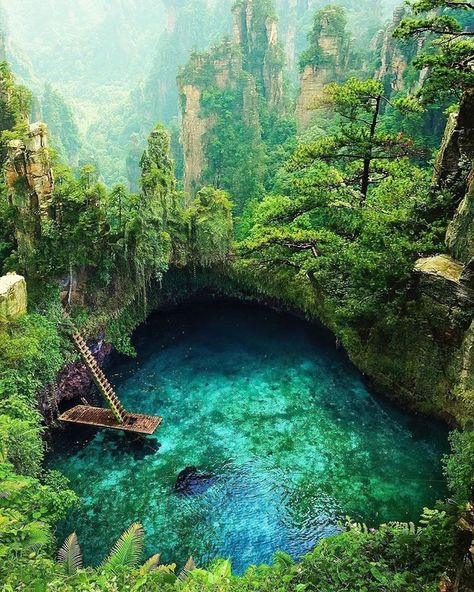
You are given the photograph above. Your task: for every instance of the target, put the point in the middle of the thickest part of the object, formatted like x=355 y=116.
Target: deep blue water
x=284 y=438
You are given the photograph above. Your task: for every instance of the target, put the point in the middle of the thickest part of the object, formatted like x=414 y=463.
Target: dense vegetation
x=317 y=219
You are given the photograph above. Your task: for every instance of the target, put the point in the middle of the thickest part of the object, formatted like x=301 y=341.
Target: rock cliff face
x=456 y=154
x=293 y=16
x=249 y=65
x=256 y=32
x=392 y=61
x=193 y=129
x=426 y=357
x=30 y=184
x=392 y=57
x=219 y=68
x=330 y=48
x=460 y=235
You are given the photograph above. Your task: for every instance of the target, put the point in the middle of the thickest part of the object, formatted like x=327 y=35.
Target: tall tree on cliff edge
x=360 y=148
x=449 y=60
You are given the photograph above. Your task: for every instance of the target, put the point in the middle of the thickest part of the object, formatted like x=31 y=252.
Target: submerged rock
x=193 y=481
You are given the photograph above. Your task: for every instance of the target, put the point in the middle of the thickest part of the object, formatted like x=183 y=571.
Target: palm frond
x=127 y=551
x=149 y=565
x=187 y=569
x=70 y=556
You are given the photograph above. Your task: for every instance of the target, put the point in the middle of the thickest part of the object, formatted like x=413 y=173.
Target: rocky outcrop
x=250 y=65
x=13 y=300
x=193 y=481
x=393 y=56
x=74 y=384
x=256 y=33
x=312 y=83
x=30 y=184
x=426 y=357
x=193 y=130
x=327 y=63
x=219 y=68
x=460 y=234
x=456 y=155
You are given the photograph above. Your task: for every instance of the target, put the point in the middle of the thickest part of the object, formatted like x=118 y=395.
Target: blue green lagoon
x=270 y=439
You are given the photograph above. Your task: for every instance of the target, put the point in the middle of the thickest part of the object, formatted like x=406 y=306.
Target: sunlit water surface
x=284 y=438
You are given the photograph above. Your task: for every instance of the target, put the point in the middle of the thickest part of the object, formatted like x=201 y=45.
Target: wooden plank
x=104 y=418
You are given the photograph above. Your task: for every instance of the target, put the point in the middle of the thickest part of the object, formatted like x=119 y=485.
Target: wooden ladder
x=99 y=377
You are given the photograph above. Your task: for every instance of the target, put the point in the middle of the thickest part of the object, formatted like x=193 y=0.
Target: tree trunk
x=368 y=159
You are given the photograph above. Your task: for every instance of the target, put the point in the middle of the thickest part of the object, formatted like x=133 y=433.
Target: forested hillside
x=313 y=158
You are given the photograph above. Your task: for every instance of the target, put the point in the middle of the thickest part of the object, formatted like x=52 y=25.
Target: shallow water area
x=270 y=438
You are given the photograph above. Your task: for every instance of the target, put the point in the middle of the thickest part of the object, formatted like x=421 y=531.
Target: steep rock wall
x=30 y=184
x=392 y=57
x=219 y=68
x=256 y=33
x=246 y=68
x=332 y=51
x=194 y=127
x=423 y=357
x=426 y=356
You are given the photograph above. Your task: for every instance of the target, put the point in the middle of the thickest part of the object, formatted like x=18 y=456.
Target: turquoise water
x=276 y=433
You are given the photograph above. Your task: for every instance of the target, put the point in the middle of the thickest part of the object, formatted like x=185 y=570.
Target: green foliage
x=15 y=106
x=92 y=234
x=390 y=558
x=210 y=227
x=70 y=556
x=234 y=150
x=127 y=550
x=59 y=118
x=29 y=508
x=362 y=150
x=450 y=51
x=459 y=466
x=331 y=20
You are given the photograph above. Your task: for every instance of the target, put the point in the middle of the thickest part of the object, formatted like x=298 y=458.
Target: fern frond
x=406 y=527
x=127 y=551
x=70 y=556
x=350 y=524
x=428 y=515
x=37 y=534
x=187 y=569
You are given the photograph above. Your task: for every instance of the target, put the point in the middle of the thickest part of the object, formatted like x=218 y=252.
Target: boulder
x=13 y=300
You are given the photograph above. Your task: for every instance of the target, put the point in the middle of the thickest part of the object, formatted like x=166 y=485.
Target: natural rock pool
x=269 y=439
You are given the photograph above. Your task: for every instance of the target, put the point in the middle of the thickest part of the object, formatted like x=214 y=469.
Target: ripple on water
x=284 y=424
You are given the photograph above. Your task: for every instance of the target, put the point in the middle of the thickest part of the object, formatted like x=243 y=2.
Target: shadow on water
x=74 y=439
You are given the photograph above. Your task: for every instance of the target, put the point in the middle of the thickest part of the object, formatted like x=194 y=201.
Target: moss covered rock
x=12 y=297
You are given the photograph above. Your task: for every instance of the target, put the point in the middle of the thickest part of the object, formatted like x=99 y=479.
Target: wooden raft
x=116 y=417
x=104 y=418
